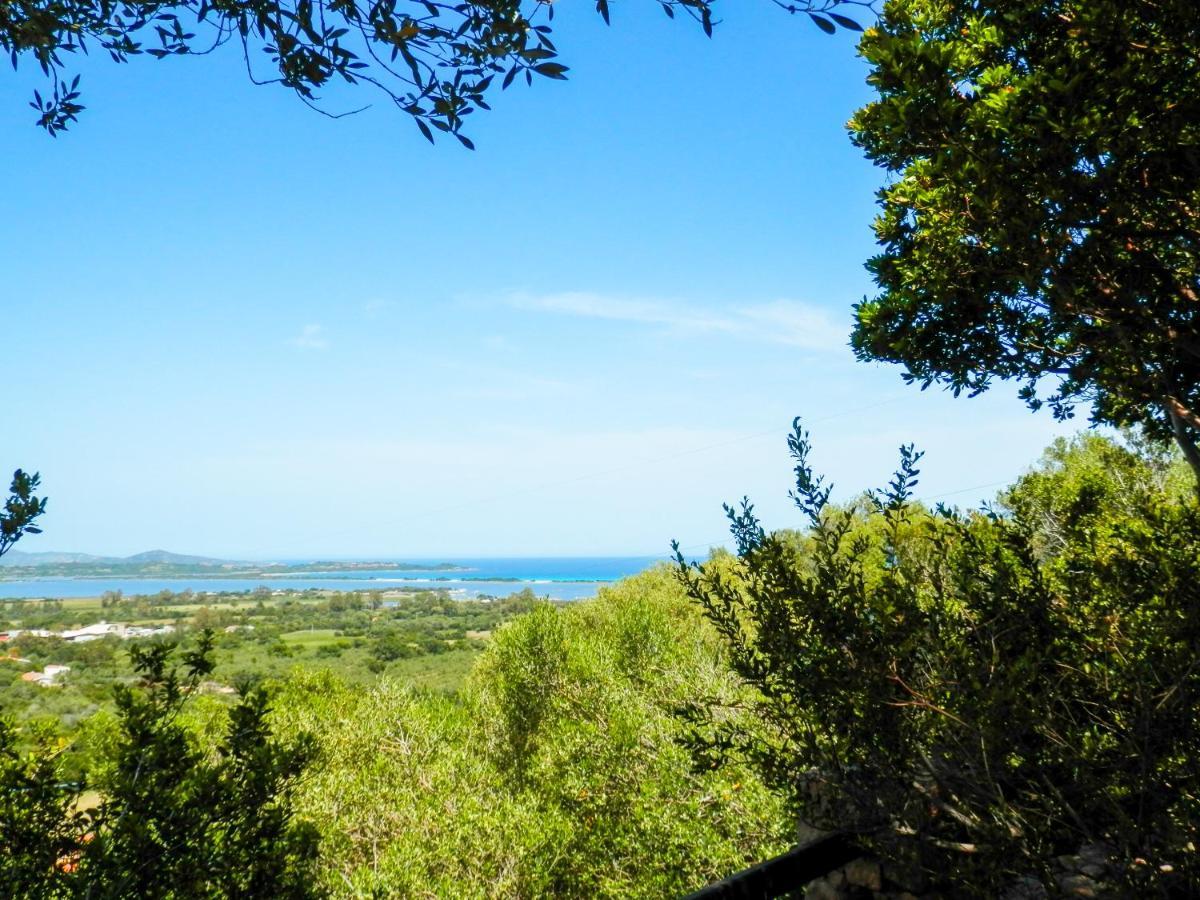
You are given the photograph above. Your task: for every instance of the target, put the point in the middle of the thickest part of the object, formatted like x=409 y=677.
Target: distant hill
x=149 y=557
x=160 y=563
x=164 y=557
x=49 y=558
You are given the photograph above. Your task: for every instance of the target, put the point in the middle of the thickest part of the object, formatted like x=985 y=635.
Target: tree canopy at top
x=435 y=60
x=1043 y=218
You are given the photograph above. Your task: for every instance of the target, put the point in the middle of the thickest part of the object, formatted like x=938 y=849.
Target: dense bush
x=557 y=772
x=38 y=823
x=977 y=693
x=175 y=816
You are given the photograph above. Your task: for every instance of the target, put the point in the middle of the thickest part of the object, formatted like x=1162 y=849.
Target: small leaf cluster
x=435 y=61
x=21 y=509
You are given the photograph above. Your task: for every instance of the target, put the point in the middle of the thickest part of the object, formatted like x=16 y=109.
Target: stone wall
x=1078 y=875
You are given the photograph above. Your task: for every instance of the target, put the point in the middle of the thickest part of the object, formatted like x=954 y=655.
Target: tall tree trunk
x=1184 y=438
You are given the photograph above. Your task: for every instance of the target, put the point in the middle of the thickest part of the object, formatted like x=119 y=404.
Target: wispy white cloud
x=793 y=322
x=375 y=306
x=311 y=337
x=778 y=322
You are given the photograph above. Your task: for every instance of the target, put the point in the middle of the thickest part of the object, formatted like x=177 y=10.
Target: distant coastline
x=564 y=578
x=161 y=564
x=15 y=573
x=328 y=573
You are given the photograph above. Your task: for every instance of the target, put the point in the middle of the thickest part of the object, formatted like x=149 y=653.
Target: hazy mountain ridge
x=148 y=557
x=162 y=563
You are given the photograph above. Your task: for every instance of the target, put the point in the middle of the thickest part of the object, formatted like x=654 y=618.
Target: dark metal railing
x=783 y=874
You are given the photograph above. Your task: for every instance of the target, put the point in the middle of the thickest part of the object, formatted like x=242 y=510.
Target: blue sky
x=239 y=328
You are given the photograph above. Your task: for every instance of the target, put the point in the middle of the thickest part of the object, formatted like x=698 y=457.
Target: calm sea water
x=564 y=578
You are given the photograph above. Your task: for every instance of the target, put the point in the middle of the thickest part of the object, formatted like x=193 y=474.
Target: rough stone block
x=865 y=873
x=822 y=890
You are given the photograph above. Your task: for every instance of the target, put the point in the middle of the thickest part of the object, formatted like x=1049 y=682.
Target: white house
x=48 y=677
x=95 y=632
x=137 y=631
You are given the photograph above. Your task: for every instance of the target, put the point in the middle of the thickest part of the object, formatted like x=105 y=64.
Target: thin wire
x=977 y=487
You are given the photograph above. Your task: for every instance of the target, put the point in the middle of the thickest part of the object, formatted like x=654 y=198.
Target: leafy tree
x=21 y=510
x=392 y=645
x=1041 y=221
x=974 y=707
x=174 y=820
x=40 y=829
x=1091 y=472
x=434 y=60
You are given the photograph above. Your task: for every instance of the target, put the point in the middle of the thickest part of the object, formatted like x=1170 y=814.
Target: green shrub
x=976 y=693
x=176 y=816
x=38 y=823
x=557 y=772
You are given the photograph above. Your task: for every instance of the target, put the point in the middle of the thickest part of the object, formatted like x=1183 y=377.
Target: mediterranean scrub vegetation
x=976 y=694
x=557 y=771
x=174 y=816
x=972 y=694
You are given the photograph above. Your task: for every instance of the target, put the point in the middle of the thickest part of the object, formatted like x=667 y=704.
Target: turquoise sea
x=563 y=578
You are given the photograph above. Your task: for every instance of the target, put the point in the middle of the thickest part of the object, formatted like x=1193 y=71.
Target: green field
x=311 y=637
x=425 y=639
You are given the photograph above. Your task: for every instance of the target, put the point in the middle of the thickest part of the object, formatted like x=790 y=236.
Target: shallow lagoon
x=563 y=578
